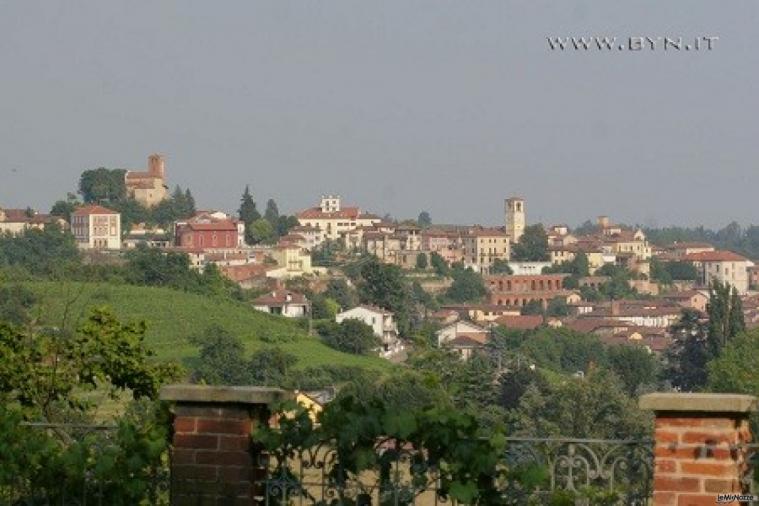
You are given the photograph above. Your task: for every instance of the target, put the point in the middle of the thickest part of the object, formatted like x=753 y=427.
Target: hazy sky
x=398 y=106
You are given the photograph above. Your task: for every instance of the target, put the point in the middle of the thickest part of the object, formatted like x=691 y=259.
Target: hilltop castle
x=148 y=188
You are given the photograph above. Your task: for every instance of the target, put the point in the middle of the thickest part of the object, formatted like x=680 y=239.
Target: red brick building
x=216 y=235
x=519 y=290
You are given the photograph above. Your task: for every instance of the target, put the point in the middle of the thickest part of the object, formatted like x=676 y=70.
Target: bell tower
x=515 y=218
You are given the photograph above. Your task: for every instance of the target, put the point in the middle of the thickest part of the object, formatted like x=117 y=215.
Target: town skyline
x=390 y=106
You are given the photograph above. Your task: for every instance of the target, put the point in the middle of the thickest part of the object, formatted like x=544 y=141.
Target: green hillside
x=171 y=316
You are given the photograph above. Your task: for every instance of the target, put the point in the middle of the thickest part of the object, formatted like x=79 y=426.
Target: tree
x=383 y=285
x=339 y=291
x=270 y=366
x=736 y=370
x=50 y=252
x=272 y=212
x=221 y=359
x=501 y=266
x=533 y=307
x=438 y=264
x=421 y=261
x=467 y=286
x=248 y=212
x=689 y=352
x=350 y=336
x=725 y=315
x=260 y=231
x=102 y=185
x=15 y=303
x=323 y=308
x=558 y=307
x=635 y=366
x=40 y=368
x=532 y=246
x=606 y=411
x=424 y=220
x=64 y=208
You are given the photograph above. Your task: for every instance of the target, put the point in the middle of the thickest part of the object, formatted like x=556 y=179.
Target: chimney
x=614 y=308
x=156 y=165
x=288 y=297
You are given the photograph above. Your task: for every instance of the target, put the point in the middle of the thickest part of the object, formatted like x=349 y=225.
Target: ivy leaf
x=463 y=492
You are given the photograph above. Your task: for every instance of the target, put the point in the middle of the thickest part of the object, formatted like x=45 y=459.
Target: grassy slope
x=173 y=315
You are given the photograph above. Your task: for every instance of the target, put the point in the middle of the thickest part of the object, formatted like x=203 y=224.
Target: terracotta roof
x=141 y=175
x=219 y=225
x=523 y=322
x=351 y=213
x=588 y=325
x=687 y=245
x=238 y=273
x=92 y=209
x=487 y=232
x=715 y=256
x=465 y=341
x=280 y=297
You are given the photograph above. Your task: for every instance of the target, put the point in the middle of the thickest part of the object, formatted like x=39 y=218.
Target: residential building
x=292 y=260
x=283 y=302
x=334 y=219
x=96 y=228
x=209 y=231
x=482 y=313
x=148 y=187
x=462 y=328
x=691 y=299
x=382 y=323
x=678 y=250
x=722 y=266
x=16 y=221
x=483 y=246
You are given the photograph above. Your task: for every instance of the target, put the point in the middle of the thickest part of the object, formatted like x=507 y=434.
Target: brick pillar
x=698 y=446
x=214 y=460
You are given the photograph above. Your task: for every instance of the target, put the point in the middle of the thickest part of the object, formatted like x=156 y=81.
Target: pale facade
x=335 y=220
x=515 y=218
x=381 y=321
x=148 y=187
x=482 y=247
x=722 y=266
x=16 y=221
x=96 y=228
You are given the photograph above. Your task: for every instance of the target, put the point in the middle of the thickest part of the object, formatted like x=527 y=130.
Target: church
x=148 y=188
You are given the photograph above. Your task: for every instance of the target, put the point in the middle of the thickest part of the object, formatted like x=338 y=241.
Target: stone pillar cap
x=223 y=394
x=698 y=402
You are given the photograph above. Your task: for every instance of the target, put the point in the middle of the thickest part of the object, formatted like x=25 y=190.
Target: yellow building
x=293 y=261
x=334 y=220
x=483 y=246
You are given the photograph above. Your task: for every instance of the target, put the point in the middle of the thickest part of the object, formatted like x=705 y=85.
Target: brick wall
x=699 y=446
x=214 y=459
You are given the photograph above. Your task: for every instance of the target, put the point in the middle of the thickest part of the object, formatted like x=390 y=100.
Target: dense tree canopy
x=103 y=185
x=532 y=246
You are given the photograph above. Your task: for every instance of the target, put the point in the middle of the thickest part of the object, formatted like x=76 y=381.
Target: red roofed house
x=335 y=220
x=722 y=266
x=96 y=227
x=15 y=221
x=283 y=302
x=205 y=231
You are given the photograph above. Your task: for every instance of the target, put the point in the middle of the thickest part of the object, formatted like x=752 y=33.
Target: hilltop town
x=465 y=281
